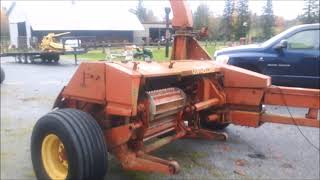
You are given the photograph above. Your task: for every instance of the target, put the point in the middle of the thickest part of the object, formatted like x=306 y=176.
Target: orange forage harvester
x=142 y=106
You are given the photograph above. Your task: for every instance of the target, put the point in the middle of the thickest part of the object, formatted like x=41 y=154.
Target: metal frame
x=114 y=94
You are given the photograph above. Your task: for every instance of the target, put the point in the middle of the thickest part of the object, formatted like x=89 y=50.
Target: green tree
x=267 y=20
x=226 y=27
x=255 y=28
x=214 y=28
x=141 y=11
x=311 y=12
x=242 y=25
x=201 y=17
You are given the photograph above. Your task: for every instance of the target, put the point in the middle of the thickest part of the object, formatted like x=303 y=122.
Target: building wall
x=20 y=14
x=138 y=35
x=15 y=39
x=13 y=34
x=98 y=36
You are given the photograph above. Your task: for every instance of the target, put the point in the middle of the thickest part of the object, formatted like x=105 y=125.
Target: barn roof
x=76 y=17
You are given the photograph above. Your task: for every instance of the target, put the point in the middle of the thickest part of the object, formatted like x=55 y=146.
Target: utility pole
x=167 y=10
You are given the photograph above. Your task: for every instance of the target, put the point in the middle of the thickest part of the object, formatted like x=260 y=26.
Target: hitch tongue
x=206 y=104
x=212 y=118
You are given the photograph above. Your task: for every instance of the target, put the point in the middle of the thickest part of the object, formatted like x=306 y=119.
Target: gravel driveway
x=269 y=152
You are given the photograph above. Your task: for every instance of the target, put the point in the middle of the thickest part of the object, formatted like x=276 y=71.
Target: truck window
x=317 y=39
x=304 y=40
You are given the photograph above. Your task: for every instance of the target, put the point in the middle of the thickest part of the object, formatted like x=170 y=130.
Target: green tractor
x=143 y=53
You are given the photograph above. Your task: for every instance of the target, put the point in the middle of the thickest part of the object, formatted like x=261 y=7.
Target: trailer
x=50 y=50
x=26 y=57
x=45 y=57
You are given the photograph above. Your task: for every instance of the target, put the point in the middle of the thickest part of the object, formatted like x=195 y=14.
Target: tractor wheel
x=68 y=144
x=2 y=75
x=211 y=125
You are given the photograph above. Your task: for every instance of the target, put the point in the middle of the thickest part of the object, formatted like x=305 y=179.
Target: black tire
x=50 y=58
x=56 y=58
x=82 y=139
x=32 y=60
x=19 y=59
x=3 y=76
x=25 y=59
x=211 y=125
x=43 y=58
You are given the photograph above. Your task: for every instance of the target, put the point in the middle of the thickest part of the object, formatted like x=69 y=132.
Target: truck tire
x=2 y=75
x=43 y=58
x=50 y=58
x=56 y=58
x=68 y=144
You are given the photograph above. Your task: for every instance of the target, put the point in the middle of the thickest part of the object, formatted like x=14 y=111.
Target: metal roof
x=76 y=17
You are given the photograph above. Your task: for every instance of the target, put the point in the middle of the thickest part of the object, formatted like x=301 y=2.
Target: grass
x=93 y=54
x=158 y=53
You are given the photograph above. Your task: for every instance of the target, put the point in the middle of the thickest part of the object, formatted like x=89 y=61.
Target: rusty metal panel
x=244 y=96
x=88 y=83
x=186 y=47
x=182 y=16
x=244 y=118
x=122 y=88
x=181 y=67
x=238 y=77
x=290 y=120
x=289 y=96
x=179 y=49
x=195 y=51
x=118 y=135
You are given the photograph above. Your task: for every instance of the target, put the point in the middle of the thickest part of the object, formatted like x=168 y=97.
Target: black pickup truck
x=291 y=58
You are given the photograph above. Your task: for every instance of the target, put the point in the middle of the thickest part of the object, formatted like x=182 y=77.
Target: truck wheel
x=32 y=59
x=43 y=58
x=2 y=77
x=56 y=58
x=50 y=58
x=19 y=59
x=68 y=144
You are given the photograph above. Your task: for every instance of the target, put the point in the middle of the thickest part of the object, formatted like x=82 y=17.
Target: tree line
x=238 y=22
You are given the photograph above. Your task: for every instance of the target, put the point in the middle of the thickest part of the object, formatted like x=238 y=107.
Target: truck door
x=298 y=64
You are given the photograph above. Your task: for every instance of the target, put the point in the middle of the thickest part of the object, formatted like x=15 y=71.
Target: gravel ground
x=269 y=152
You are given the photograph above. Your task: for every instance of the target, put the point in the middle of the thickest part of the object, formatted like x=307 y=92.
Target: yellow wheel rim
x=54 y=157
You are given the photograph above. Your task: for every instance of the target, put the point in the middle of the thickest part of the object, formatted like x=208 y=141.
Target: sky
x=289 y=9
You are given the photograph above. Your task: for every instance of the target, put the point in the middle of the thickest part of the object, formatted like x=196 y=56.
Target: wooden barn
x=29 y=24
